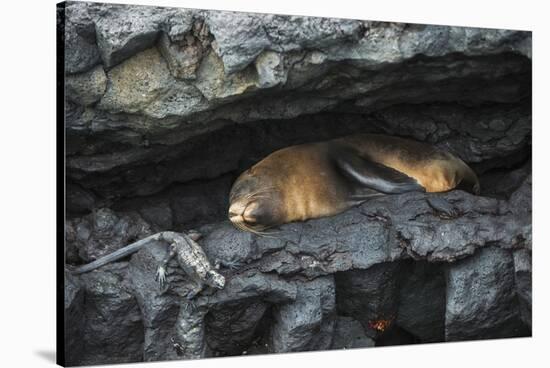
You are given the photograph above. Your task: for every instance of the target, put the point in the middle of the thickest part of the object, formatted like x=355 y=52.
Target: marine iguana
x=190 y=256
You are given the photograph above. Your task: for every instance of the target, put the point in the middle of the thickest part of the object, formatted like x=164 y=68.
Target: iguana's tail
x=115 y=256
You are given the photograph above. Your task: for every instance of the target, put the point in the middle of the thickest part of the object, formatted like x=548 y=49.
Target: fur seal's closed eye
x=325 y=178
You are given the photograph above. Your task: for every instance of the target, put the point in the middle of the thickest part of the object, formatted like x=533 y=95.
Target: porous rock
x=231 y=327
x=184 y=52
x=523 y=279
x=74 y=319
x=377 y=283
x=104 y=231
x=86 y=88
x=144 y=85
x=370 y=295
x=123 y=31
x=482 y=298
x=250 y=34
x=113 y=329
x=159 y=309
x=78 y=200
x=175 y=331
x=308 y=322
x=492 y=131
x=216 y=69
x=349 y=334
x=421 y=310
x=81 y=51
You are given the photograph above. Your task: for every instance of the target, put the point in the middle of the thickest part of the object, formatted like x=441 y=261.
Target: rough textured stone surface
x=492 y=132
x=286 y=275
x=166 y=107
x=245 y=296
x=183 y=206
x=159 y=310
x=523 y=275
x=81 y=51
x=78 y=200
x=503 y=183
x=184 y=52
x=456 y=236
x=122 y=30
x=231 y=327
x=349 y=334
x=103 y=232
x=144 y=85
x=370 y=295
x=74 y=320
x=421 y=310
x=86 y=88
x=481 y=298
x=113 y=329
x=251 y=34
x=308 y=322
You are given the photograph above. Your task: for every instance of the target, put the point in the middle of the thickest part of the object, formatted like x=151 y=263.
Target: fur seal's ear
x=373 y=175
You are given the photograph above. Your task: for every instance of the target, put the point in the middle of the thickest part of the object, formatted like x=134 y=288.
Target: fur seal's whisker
x=260 y=196
x=260 y=191
x=259 y=233
x=267 y=235
x=244 y=227
x=238 y=225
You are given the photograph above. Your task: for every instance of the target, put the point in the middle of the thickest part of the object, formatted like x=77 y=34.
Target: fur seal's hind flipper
x=373 y=175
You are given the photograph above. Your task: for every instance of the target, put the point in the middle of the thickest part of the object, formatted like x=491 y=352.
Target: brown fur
x=434 y=169
x=301 y=182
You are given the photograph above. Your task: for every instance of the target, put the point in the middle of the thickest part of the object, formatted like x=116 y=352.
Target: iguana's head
x=215 y=280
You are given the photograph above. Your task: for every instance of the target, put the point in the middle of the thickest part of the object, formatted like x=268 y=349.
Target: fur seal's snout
x=245 y=213
x=236 y=211
x=254 y=203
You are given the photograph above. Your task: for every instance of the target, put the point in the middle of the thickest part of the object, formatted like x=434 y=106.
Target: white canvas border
x=28 y=181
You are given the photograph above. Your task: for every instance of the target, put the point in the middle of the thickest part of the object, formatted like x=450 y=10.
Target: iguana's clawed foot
x=189 y=306
x=177 y=346
x=161 y=276
x=193 y=293
x=233 y=264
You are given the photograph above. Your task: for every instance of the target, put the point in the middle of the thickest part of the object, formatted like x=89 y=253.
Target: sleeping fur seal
x=325 y=178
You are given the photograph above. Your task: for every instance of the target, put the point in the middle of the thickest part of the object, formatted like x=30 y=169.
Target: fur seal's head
x=254 y=203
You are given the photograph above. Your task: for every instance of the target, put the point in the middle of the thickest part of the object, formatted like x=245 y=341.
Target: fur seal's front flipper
x=373 y=175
